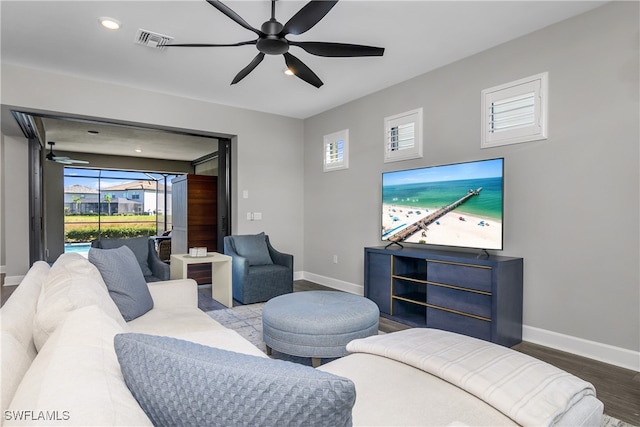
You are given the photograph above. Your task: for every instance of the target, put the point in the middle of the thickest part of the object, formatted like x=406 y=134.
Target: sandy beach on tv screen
x=472 y=231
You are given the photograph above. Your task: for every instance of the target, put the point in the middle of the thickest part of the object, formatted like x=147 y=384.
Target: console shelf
x=448 y=290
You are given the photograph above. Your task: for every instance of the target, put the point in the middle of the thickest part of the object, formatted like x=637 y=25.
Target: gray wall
x=15 y=201
x=571 y=202
x=2 y=251
x=267 y=150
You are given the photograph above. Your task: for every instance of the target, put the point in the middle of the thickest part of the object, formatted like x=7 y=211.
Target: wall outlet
x=335 y=259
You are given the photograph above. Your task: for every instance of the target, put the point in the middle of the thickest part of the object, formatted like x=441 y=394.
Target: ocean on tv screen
x=451 y=205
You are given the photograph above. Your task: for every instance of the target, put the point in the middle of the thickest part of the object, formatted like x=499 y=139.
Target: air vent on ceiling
x=151 y=39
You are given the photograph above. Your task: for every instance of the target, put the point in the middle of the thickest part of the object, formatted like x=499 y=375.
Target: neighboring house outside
x=79 y=199
x=145 y=194
x=137 y=197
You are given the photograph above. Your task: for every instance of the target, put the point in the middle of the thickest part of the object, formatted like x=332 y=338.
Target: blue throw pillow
x=126 y=284
x=138 y=245
x=254 y=248
x=179 y=382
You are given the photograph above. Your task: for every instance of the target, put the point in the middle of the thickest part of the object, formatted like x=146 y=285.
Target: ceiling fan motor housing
x=272 y=43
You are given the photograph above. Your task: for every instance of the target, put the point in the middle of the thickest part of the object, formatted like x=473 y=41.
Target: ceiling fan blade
x=211 y=45
x=65 y=160
x=338 y=49
x=231 y=14
x=302 y=71
x=249 y=68
x=307 y=17
x=72 y=162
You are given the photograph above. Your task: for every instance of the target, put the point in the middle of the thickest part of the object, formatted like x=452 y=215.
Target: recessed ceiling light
x=109 y=23
x=138 y=150
x=93 y=132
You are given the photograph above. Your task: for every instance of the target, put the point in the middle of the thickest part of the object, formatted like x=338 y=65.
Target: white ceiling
x=109 y=139
x=418 y=36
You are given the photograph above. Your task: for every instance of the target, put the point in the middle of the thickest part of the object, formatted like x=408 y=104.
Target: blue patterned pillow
x=138 y=245
x=126 y=284
x=178 y=382
x=254 y=248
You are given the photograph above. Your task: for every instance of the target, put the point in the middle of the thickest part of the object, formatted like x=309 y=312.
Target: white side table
x=220 y=273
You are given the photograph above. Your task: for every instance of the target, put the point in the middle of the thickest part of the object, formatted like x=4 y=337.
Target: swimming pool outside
x=81 y=248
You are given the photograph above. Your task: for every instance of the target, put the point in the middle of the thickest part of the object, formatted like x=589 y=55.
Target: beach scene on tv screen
x=453 y=205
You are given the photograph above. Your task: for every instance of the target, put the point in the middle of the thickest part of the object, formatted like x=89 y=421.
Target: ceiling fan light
x=288 y=72
x=110 y=23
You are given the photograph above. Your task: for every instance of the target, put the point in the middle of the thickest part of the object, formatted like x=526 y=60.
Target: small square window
x=403 y=136
x=515 y=112
x=336 y=151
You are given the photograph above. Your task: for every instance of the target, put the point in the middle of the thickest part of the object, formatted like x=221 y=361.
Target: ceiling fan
x=64 y=160
x=272 y=40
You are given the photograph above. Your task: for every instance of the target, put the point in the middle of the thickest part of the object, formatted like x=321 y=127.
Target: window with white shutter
x=336 y=151
x=515 y=112
x=403 y=136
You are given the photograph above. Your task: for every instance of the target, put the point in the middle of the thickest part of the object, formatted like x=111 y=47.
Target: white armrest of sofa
x=169 y=294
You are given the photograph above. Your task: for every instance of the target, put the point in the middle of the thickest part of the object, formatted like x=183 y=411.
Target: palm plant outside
x=107 y=198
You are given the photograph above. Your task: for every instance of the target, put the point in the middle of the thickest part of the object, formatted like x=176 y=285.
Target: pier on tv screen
x=459 y=205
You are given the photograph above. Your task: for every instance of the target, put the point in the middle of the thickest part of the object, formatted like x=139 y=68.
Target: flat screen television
x=458 y=205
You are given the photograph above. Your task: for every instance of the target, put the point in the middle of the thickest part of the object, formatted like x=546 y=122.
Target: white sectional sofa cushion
x=18 y=349
x=72 y=283
x=76 y=380
x=527 y=390
x=394 y=394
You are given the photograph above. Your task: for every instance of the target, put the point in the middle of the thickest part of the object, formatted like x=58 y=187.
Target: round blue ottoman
x=317 y=324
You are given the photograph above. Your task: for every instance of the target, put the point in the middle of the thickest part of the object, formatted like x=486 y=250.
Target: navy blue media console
x=454 y=291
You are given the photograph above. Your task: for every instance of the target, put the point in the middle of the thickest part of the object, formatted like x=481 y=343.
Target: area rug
x=247 y=321
x=608 y=421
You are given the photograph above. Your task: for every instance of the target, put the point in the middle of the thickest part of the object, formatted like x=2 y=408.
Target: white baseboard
x=12 y=280
x=2 y=267
x=333 y=283
x=606 y=353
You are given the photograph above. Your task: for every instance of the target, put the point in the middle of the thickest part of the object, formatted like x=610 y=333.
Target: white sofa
x=59 y=366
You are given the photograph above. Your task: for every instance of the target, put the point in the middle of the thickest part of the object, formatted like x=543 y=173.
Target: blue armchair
x=259 y=272
x=153 y=269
